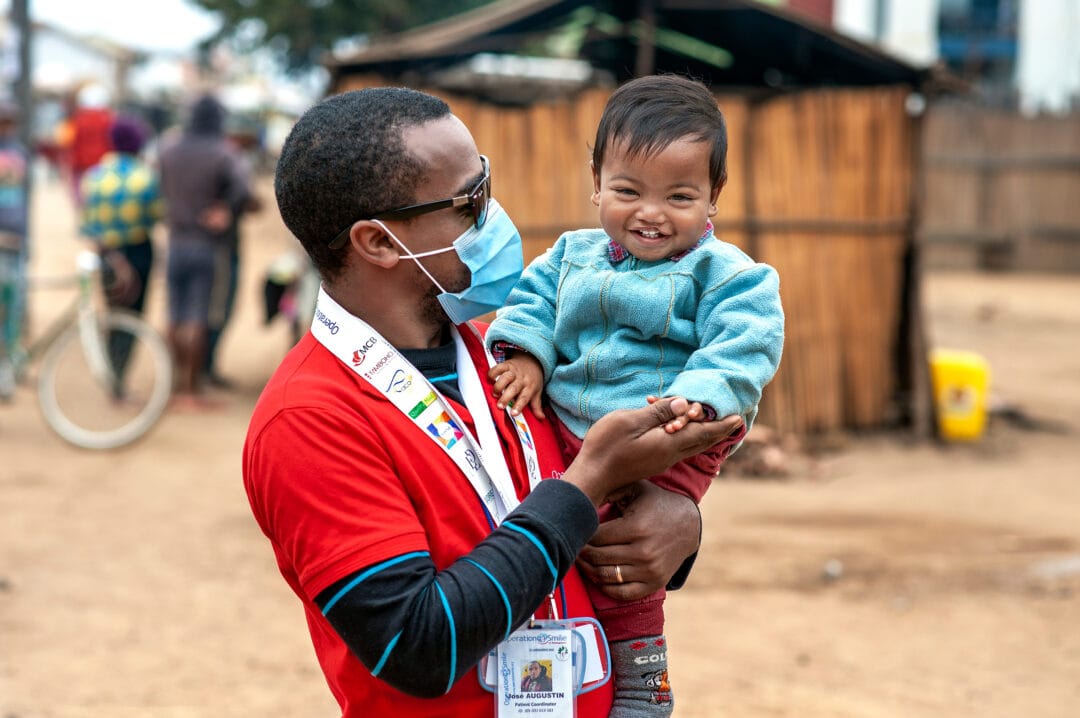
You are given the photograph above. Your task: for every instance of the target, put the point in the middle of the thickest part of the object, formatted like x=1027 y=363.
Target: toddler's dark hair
x=651 y=112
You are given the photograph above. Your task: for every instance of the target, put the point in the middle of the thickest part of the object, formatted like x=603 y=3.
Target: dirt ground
x=885 y=578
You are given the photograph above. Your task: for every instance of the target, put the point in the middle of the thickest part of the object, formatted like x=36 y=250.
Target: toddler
x=651 y=304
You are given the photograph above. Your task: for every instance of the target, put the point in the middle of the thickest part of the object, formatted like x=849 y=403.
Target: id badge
x=543 y=666
x=535 y=672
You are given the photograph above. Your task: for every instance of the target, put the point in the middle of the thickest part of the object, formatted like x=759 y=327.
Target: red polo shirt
x=339 y=479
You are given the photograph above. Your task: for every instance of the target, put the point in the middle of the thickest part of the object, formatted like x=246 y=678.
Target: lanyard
x=377 y=362
x=475 y=399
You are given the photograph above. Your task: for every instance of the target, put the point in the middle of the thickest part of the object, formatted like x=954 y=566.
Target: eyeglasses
x=477 y=199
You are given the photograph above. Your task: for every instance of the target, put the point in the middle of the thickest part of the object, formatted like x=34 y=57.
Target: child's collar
x=617 y=252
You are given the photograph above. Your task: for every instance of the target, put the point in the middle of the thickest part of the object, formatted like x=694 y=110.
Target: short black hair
x=207 y=117
x=345 y=160
x=651 y=112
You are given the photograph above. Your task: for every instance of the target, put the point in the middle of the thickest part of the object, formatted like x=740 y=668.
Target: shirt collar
x=617 y=252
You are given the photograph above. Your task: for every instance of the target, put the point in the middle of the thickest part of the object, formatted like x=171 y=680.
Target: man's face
x=534 y=670
x=449 y=153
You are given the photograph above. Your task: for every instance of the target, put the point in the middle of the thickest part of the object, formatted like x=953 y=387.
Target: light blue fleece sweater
x=707 y=326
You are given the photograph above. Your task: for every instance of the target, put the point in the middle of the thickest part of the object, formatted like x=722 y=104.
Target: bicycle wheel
x=108 y=392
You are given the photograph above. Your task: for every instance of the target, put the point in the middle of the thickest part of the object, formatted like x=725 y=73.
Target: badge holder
x=544 y=665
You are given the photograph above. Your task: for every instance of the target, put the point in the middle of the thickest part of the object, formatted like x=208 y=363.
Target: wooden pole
x=914 y=360
x=646 y=50
x=23 y=90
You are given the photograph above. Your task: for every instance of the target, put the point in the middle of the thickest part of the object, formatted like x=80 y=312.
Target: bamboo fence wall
x=1001 y=189
x=819 y=187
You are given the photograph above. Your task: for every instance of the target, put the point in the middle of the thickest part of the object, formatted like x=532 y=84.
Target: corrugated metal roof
x=767 y=45
x=451 y=36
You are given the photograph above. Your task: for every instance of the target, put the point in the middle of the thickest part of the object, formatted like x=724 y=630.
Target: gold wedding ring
x=618 y=573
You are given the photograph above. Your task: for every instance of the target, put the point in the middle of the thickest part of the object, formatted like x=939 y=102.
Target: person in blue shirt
x=14 y=162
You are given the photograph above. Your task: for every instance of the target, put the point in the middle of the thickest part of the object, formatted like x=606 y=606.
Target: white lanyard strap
x=377 y=362
x=474 y=395
x=528 y=448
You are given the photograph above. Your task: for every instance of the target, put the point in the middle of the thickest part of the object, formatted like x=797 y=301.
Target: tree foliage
x=303 y=30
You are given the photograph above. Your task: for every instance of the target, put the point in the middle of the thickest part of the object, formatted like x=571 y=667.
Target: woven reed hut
x=822 y=165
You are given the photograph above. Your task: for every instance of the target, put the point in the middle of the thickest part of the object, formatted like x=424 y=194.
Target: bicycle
x=106 y=374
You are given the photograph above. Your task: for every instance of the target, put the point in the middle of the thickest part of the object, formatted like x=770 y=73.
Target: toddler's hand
x=518 y=382
x=694 y=412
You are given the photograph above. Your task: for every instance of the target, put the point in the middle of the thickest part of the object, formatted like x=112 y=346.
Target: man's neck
x=399 y=322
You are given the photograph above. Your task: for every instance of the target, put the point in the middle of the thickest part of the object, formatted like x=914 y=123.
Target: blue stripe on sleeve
x=453 y=637
x=368 y=574
x=536 y=542
x=386 y=654
x=499 y=588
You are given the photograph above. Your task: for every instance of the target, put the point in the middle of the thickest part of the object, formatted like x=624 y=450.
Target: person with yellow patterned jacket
x=121 y=204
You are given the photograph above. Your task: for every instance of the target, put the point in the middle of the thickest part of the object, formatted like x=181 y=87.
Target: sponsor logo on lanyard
x=375 y=360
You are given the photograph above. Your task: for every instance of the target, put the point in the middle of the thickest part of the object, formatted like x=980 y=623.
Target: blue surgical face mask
x=494 y=257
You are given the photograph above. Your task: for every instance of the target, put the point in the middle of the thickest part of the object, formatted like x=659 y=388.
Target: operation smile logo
x=545 y=638
x=327 y=321
x=508 y=680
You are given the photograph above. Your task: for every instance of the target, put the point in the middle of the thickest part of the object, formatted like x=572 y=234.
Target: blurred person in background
x=227 y=264
x=204 y=185
x=14 y=163
x=87 y=134
x=121 y=204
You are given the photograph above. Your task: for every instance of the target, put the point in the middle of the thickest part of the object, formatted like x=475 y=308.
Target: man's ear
x=371 y=242
x=595 y=184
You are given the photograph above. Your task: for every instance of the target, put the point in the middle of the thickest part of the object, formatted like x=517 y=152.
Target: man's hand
x=216 y=218
x=121 y=283
x=657 y=530
x=632 y=444
x=519 y=382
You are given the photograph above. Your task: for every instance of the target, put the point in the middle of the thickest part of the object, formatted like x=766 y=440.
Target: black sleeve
x=420 y=629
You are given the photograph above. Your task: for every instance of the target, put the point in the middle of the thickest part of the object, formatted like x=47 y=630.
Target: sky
x=174 y=25
x=156 y=26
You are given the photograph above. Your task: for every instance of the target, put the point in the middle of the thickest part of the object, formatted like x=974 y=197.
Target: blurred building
x=1048 y=66
x=61 y=64
x=1014 y=53
x=823 y=162
x=156 y=84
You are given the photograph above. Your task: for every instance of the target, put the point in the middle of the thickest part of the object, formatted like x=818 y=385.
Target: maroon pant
x=690 y=477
